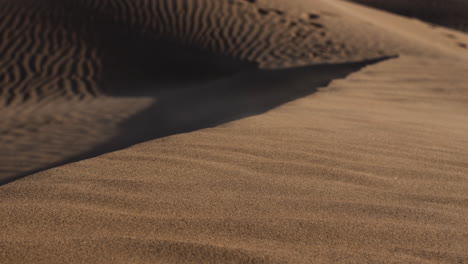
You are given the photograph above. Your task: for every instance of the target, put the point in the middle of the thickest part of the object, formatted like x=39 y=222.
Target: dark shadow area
x=189 y=107
x=156 y=64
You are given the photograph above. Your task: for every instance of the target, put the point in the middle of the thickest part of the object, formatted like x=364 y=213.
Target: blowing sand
x=270 y=132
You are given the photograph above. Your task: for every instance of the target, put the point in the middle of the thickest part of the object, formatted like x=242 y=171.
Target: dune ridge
x=129 y=54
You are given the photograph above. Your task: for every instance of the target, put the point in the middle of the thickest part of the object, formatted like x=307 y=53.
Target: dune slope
x=366 y=170
x=357 y=157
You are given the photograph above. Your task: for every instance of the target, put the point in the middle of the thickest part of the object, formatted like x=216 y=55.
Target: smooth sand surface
x=346 y=142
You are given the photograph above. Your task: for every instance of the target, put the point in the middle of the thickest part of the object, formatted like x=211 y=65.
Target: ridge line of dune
x=416 y=32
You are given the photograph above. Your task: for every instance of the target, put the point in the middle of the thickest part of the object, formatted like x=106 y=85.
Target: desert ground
x=233 y=131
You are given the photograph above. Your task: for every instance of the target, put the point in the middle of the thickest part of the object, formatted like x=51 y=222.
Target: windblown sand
x=303 y=131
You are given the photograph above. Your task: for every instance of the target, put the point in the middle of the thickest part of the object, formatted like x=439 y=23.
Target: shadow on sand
x=186 y=107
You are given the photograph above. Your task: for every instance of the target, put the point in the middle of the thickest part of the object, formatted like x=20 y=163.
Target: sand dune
x=129 y=54
x=366 y=170
x=271 y=132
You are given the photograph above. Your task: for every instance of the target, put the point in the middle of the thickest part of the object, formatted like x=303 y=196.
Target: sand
x=448 y=13
x=345 y=142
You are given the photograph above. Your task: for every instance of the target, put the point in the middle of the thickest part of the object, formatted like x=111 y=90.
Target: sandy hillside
x=271 y=132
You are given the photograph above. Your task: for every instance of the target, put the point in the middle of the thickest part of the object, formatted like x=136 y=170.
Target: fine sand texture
x=241 y=131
